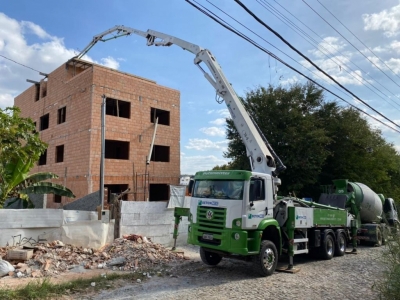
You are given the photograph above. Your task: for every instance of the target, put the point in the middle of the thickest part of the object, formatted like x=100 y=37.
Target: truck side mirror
x=190 y=187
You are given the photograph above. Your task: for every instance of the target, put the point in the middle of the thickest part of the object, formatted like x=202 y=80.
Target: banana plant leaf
x=42 y=176
x=47 y=188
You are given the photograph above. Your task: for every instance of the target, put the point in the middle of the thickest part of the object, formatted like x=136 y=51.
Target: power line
x=316 y=74
x=334 y=59
x=358 y=39
x=311 y=62
x=283 y=62
x=351 y=44
x=20 y=64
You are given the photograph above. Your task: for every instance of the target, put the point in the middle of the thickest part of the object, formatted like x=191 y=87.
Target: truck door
x=256 y=207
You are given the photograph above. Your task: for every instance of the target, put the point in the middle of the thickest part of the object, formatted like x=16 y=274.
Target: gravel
x=347 y=277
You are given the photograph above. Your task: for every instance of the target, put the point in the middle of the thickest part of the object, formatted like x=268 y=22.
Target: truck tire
x=265 y=262
x=328 y=247
x=341 y=244
x=210 y=258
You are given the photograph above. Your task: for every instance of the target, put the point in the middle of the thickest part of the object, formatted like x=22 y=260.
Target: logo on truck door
x=209 y=214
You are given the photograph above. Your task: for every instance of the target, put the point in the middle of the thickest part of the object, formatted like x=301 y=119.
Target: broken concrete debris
x=129 y=253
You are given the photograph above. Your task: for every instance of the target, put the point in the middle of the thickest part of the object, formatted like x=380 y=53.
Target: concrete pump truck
x=237 y=213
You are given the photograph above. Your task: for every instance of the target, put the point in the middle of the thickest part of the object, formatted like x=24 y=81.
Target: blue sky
x=42 y=35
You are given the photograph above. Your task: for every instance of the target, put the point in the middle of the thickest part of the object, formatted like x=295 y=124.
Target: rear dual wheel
x=341 y=244
x=328 y=247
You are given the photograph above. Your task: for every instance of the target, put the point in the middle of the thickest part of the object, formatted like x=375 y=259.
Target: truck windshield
x=219 y=189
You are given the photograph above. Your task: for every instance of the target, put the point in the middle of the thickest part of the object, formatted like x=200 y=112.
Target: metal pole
x=103 y=145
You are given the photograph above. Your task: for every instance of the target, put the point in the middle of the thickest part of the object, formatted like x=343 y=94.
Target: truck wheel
x=341 y=244
x=210 y=258
x=328 y=247
x=265 y=262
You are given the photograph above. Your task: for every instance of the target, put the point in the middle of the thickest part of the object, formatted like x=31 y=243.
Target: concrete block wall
x=80 y=90
x=28 y=226
x=153 y=220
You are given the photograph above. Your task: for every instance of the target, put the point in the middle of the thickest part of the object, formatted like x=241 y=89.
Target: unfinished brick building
x=66 y=107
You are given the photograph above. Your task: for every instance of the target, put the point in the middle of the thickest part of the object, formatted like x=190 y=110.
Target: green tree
x=20 y=148
x=318 y=141
x=359 y=153
x=290 y=121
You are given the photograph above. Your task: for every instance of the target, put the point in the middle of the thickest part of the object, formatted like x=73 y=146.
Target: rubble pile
x=130 y=253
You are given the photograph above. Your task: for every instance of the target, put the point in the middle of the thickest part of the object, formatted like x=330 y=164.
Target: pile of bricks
x=130 y=253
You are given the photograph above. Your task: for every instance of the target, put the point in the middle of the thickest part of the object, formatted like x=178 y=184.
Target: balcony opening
x=162 y=115
x=57 y=199
x=44 y=88
x=118 y=108
x=44 y=122
x=43 y=158
x=37 y=92
x=116 y=189
x=160 y=153
x=116 y=150
x=61 y=115
x=158 y=192
x=59 y=153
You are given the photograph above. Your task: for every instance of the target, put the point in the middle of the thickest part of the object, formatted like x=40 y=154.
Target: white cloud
x=213 y=131
x=44 y=56
x=383 y=128
x=205 y=144
x=329 y=45
x=35 y=29
x=289 y=81
x=336 y=67
x=395 y=45
x=222 y=112
x=192 y=164
x=110 y=62
x=387 y=20
x=6 y=100
x=218 y=122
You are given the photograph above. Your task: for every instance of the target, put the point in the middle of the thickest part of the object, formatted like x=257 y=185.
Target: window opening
x=160 y=153
x=118 y=108
x=57 y=199
x=61 y=115
x=43 y=158
x=162 y=115
x=44 y=122
x=158 y=192
x=59 y=153
x=116 y=149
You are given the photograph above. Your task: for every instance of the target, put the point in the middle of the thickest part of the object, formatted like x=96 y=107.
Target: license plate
x=207 y=236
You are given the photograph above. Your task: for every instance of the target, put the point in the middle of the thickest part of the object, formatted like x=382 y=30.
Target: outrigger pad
x=351 y=252
x=287 y=270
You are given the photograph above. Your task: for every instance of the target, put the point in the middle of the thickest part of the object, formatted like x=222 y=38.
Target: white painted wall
x=153 y=220
x=79 y=228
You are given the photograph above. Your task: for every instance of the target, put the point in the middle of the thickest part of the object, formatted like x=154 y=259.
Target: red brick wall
x=81 y=133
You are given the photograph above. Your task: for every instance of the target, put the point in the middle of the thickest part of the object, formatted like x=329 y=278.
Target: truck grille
x=211 y=221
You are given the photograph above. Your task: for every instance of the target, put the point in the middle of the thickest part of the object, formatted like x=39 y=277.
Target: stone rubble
x=129 y=253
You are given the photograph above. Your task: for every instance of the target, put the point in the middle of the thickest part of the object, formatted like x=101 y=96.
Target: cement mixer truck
x=375 y=215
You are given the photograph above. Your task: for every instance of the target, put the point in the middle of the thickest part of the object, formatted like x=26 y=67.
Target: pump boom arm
x=262 y=157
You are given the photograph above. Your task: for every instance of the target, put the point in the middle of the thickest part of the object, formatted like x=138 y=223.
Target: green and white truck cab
x=231 y=222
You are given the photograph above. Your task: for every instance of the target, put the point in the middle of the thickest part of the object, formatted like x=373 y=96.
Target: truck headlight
x=237 y=236
x=238 y=223
x=189 y=228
